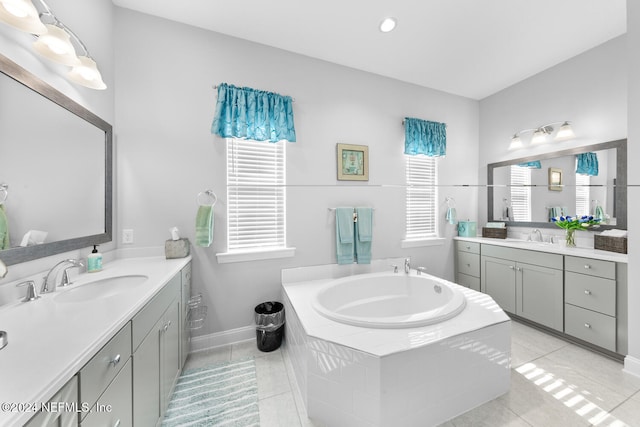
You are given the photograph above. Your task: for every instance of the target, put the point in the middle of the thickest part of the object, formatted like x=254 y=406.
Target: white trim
x=255 y=255
x=219 y=339
x=632 y=366
x=434 y=241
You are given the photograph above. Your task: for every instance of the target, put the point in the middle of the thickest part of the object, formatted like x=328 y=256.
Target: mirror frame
x=29 y=253
x=621 y=182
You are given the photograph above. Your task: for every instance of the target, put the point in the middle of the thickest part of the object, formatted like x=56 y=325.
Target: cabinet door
x=170 y=353
x=499 y=281
x=146 y=379
x=539 y=295
x=185 y=332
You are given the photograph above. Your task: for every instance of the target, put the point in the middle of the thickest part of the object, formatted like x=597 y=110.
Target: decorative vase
x=570 y=238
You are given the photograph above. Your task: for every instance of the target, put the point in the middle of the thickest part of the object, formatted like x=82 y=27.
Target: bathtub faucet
x=407 y=265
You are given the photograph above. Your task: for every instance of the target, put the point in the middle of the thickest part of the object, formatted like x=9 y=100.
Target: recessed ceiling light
x=388 y=24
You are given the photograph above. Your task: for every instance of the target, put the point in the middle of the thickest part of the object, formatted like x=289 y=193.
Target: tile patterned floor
x=553 y=383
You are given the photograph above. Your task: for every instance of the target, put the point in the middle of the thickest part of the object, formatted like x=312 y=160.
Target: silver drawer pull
x=587 y=292
x=511 y=267
x=518 y=269
x=166 y=327
x=468 y=247
x=115 y=360
x=468 y=265
x=117 y=423
x=587 y=266
x=588 y=326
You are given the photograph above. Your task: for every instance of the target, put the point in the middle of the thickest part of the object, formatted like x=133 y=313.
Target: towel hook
x=450 y=201
x=205 y=194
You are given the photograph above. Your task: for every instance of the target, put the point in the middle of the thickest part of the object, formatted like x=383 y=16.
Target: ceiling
x=472 y=48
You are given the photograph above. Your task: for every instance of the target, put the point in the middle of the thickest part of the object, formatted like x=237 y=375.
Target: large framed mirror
x=528 y=191
x=56 y=168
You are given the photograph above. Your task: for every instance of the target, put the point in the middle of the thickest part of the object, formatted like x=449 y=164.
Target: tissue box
x=610 y=243
x=177 y=248
x=467 y=229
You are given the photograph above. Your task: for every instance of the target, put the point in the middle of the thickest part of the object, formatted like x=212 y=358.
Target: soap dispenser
x=94 y=260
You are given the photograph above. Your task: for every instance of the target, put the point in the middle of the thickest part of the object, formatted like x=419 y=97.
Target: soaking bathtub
x=370 y=347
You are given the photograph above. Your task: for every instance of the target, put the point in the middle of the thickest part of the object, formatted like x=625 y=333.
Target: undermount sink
x=102 y=288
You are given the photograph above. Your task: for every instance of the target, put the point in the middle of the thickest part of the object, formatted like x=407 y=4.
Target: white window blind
x=256 y=195
x=421 y=197
x=582 y=194
x=521 y=193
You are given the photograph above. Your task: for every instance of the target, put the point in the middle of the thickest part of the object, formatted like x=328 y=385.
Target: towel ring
x=204 y=194
x=450 y=201
x=4 y=192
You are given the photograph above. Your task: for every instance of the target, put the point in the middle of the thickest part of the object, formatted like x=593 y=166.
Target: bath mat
x=224 y=394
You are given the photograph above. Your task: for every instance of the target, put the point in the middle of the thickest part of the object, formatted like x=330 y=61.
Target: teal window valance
x=587 y=164
x=531 y=165
x=243 y=112
x=424 y=137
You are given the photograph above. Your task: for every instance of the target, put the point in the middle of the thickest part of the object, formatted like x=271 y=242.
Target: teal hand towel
x=451 y=215
x=364 y=234
x=344 y=235
x=4 y=230
x=599 y=213
x=204 y=226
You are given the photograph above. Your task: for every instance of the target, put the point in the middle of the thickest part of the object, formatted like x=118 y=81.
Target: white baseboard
x=632 y=366
x=219 y=339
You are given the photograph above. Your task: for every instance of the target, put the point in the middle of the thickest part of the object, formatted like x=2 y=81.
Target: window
x=256 y=195
x=521 y=193
x=582 y=194
x=421 y=197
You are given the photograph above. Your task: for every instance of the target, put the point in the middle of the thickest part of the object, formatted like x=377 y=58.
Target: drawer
x=153 y=310
x=465 y=246
x=593 y=293
x=591 y=267
x=469 y=281
x=98 y=373
x=115 y=406
x=468 y=263
x=590 y=326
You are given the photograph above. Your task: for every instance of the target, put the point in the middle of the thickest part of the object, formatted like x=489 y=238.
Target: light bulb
x=388 y=24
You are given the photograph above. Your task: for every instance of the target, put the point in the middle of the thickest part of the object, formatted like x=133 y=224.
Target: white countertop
x=550 y=248
x=50 y=340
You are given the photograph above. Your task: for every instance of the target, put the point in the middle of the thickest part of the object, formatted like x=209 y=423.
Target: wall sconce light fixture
x=541 y=134
x=55 y=41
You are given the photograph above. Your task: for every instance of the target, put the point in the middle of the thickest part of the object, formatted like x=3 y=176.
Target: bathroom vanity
x=98 y=352
x=577 y=293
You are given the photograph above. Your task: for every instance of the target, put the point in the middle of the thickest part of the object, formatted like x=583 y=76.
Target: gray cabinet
x=467 y=261
x=63 y=415
x=185 y=338
x=590 y=298
x=156 y=356
x=114 y=408
x=526 y=283
x=101 y=370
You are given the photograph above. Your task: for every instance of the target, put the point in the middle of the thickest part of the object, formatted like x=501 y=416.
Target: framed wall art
x=353 y=162
x=555 y=179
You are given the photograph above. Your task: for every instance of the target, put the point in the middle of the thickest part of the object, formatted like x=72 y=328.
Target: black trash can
x=269 y=317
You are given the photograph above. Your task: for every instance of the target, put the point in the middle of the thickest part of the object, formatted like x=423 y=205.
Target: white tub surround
x=419 y=376
x=51 y=338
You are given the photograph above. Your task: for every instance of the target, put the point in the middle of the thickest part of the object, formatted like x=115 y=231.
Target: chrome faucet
x=407 y=265
x=537 y=232
x=46 y=287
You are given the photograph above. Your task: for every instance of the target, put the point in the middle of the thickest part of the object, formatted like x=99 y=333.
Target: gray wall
x=633 y=25
x=166 y=154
